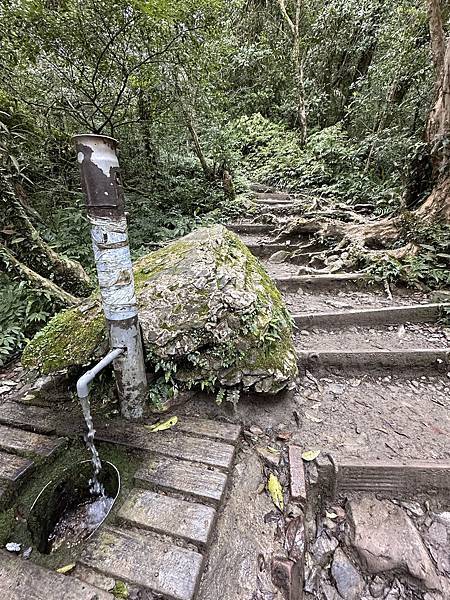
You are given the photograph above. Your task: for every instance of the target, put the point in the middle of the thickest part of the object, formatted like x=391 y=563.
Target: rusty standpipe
x=101 y=181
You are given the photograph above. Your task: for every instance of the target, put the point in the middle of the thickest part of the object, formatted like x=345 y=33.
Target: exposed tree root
x=373 y=234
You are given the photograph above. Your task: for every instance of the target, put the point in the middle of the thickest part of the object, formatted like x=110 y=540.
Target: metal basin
x=65 y=513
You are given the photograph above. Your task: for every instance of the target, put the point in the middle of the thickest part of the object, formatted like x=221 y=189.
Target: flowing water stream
x=83 y=516
x=96 y=486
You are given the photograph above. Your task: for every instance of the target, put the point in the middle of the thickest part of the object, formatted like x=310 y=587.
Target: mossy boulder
x=210 y=316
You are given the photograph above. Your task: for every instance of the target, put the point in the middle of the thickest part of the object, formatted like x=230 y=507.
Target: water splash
x=80 y=522
x=96 y=488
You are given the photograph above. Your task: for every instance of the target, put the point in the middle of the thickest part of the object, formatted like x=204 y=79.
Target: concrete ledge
x=418 y=357
x=418 y=313
x=392 y=478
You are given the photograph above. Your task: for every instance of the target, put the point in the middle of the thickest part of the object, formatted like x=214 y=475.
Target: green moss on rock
x=73 y=337
x=210 y=314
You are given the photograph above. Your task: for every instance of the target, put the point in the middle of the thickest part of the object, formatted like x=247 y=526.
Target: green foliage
x=428 y=268
x=330 y=165
x=22 y=312
x=159 y=75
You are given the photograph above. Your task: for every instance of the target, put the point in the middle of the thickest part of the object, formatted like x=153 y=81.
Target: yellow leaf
x=310 y=455
x=161 y=426
x=275 y=491
x=66 y=568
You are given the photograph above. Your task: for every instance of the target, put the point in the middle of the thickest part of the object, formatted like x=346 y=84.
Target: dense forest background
x=328 y=99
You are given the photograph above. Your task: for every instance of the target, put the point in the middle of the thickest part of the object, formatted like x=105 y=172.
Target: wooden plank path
x=172 y=509
x=184 y=477
x=13 y=468
x=23 y=580
x=162 y=530
x=26 y=443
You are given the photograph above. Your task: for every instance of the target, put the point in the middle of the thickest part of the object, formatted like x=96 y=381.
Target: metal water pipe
x=101 y=182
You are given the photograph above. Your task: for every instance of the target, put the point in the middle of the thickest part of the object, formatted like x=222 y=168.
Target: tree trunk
x=437 y=205
x=435 y=160
x=197 y=148
x=297 y=60
x=436 y=35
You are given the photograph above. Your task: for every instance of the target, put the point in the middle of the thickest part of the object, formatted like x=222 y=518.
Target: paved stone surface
x=170 y=474
x=27 y=443
x=170 y=516
x=170 y=443
x=145 y=560
x=349 y=582
x=386 y=539
x=23 y=580
x=14 y=468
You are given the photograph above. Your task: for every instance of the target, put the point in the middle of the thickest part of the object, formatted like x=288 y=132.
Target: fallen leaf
x=120 y=590
x=273 y=450
x=275 y=491
x=310 y=455
x=161 y=426
x=331 y=515
x=66 y=568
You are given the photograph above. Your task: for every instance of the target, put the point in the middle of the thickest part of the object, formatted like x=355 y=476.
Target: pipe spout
x=86 y=378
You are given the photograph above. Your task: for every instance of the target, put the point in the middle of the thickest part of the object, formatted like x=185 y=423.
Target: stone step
x=34 y=418
x=272 y=202
x=14 y=469
x=177 y=518
x=437 y=358
x=261 y=187
x=276 y=196
x=418 y=313
x=171 y=443
x=268 y=250
x=226 y=432
x=251 y=227
x=196 y=480
x=145 y=560
x=391 y=477
x=27 y=443
x=23 y=580
x=358 y=338
x=324 y=280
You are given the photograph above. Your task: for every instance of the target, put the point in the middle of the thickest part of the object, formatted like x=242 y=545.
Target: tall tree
x=298 y=63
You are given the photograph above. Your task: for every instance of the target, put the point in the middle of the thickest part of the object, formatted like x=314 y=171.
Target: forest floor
x=374 y=389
